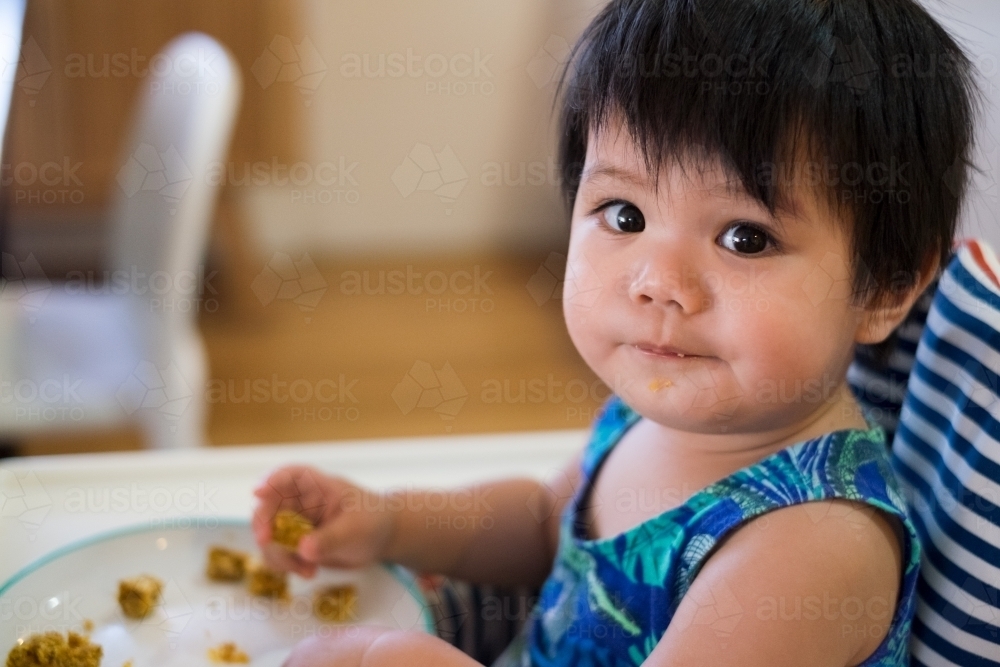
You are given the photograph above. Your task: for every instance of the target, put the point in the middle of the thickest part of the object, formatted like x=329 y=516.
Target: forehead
x=613 y=156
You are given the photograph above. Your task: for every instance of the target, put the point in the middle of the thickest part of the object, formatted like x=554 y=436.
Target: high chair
x=83 y=357
x=938 y=399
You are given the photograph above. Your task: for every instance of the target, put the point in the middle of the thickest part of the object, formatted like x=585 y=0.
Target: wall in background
x=440 y=115
x=976 y=24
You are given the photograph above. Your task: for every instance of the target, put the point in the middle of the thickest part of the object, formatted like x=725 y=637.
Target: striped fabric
x=946 y=452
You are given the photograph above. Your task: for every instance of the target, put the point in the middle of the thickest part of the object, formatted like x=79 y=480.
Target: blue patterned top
x=609 y=601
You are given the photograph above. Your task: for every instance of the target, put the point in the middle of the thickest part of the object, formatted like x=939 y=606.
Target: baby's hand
x=348 y=531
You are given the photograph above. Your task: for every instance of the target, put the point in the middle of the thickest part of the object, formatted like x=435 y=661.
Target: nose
x=675 y=284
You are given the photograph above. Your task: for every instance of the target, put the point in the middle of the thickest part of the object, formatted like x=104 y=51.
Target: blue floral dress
x=609 y=601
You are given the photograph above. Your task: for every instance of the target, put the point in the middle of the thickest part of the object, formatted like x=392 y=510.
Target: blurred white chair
x=80 y=358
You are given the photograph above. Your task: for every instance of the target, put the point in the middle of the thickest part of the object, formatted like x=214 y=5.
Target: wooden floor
x=380 y=356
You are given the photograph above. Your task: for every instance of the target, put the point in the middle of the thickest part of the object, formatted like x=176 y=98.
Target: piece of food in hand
x=51 y=648
x=138 y=596
x=225 y=564
x=335 y=604
x=264 y=581
x=289 y=527
x=228 y=652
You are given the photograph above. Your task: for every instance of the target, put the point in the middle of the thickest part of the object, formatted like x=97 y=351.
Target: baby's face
x=757 y=305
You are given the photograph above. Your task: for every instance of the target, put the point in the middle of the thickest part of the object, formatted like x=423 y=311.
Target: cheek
x=790 y=339
x=588 y=284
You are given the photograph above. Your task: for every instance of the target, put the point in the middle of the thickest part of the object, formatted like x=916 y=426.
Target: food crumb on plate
x=138 y=596
x=51 y=648
x=335 y=603
x=228 y=653
x=225 y=564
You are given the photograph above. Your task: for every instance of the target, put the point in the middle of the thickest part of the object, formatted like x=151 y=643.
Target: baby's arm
x=502 y=532
x=791 y=588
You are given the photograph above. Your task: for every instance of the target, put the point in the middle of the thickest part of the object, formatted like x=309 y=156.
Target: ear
x=875 y=324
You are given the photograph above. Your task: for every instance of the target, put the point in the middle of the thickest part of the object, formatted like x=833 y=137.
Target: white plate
x=80 y=582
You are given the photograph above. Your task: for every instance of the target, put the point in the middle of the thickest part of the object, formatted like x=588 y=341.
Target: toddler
x=756 y=186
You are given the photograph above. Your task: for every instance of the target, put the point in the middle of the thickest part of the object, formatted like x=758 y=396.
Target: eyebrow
x=612 y=171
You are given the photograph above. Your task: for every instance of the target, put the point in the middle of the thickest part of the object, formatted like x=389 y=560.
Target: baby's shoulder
x=821 y=579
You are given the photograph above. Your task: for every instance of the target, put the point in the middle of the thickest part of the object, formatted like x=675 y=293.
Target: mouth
x=665 y=352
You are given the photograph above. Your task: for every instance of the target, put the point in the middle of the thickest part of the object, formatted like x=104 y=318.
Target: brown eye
x=745 y=239
x=624 y=218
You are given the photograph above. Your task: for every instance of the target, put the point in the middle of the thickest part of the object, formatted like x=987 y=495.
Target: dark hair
x=875 y=92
